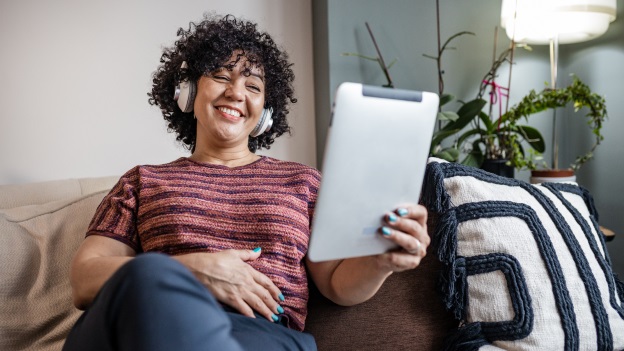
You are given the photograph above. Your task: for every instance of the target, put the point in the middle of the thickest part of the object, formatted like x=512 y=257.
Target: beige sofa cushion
x=44 y=192
x=37 y=243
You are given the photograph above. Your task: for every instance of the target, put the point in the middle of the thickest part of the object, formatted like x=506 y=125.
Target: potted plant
x=480 y=140
x=581 y=96
x=502 y=144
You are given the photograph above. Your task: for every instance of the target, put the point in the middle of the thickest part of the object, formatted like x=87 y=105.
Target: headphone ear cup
x=185 y=93
x=186 y=96
x=264 y=124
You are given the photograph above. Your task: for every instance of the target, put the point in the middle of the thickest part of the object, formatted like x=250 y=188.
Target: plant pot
x=498 y=167
x=552 y=175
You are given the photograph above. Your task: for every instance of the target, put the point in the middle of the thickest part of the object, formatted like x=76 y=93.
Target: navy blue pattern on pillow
x=444 y=196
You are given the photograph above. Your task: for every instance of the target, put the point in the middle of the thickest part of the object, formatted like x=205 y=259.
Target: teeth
x=230 y=111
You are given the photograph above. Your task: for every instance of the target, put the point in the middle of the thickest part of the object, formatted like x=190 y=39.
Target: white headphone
x=186 y=91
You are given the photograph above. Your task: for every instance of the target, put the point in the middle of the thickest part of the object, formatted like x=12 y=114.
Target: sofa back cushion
x=37 y=244
x=16 y=195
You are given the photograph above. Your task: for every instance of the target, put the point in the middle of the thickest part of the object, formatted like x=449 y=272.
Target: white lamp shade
x=571 y=21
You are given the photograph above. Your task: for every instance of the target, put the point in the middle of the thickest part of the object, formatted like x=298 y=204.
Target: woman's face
x=229 y=103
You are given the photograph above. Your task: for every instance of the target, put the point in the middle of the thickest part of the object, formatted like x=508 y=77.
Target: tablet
x=375 y=158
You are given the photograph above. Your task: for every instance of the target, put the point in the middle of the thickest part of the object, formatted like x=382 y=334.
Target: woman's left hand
x=407 y=227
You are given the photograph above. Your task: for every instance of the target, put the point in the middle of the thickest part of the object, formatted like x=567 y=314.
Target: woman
x=222 y=235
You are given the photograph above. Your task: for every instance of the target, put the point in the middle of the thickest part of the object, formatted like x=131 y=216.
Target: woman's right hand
x=234 y=282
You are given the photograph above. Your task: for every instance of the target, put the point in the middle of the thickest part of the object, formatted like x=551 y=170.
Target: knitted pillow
x=526 y=266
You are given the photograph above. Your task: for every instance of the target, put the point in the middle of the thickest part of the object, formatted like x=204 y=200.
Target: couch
x=42 y=225
x=523 y=267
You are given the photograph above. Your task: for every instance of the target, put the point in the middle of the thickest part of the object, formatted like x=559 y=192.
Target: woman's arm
x=96 y=260
x=226 y=274
x=355 y=280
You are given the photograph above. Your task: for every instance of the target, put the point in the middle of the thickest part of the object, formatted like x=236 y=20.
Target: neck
x=225 y=158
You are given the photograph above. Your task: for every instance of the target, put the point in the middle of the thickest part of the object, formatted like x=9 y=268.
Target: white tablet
x=375 y=158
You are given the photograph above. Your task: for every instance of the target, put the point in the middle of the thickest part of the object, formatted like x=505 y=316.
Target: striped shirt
x=185 y=206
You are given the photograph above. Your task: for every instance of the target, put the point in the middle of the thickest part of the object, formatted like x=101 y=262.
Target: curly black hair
x=209 y=45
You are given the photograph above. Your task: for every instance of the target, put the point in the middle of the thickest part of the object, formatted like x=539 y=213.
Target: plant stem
x=493 y=73
x=381 y=60
x=511 y=61
x=439 y=58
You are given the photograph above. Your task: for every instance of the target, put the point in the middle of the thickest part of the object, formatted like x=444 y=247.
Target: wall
x=406 y=30
x=600 y=64
x=75 y=75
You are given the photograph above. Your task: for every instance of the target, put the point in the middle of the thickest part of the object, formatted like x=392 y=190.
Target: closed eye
x=254 y=88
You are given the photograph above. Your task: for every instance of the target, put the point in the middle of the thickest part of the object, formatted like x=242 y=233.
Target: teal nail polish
x=402 y=212
x=257 y=249
x=392 y=218
x=281 y=297
x=386 y=231
x=280 y=309
x=274 y=318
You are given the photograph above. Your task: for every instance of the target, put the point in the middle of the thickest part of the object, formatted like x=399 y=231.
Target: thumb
x=249 y=255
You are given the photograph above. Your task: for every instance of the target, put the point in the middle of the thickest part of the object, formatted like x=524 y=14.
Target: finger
x=268 y=301
x=398 y=261
x=256 y=301
x=248 y=255
x=267 y=284
x=413 y=211
x=409 y=226
x=406 y=241
x=241 y=306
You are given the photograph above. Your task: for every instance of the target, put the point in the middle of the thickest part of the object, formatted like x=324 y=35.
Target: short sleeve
x=116 y=216
x=315 y=181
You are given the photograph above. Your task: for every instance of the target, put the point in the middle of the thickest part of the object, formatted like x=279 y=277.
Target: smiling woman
x=218 y=49
x=220 y=237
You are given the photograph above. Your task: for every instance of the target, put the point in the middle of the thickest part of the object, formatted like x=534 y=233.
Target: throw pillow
x=37 y=244
x=526 y=266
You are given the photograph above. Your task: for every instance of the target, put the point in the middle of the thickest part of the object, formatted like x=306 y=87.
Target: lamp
x=556 y=22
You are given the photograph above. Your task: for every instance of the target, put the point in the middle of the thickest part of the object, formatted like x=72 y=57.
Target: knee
x=150 y=262
x=149 y=273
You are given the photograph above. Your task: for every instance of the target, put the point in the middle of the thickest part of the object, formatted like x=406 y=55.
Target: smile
x=229 y=111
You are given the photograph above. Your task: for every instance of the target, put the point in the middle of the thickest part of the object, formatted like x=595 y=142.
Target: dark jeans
x=154 y=303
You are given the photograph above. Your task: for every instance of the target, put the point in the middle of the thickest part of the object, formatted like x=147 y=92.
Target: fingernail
x=257 y=249
x=392 y=218
x=281 y=297
x=280 y=309
x=274 y=318
x=386 y=231
x=402 y=212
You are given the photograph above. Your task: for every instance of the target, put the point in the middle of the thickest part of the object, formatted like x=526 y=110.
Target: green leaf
x=446 y=98
x=533 y=137
x=475 y=157
x=450 y=154
x=473 y=160
x=490 y=126
x=466 y=113
x=470 y=133
x=440 y=135
x=447 y=116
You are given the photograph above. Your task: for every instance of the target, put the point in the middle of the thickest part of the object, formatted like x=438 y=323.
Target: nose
x=235 y=91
